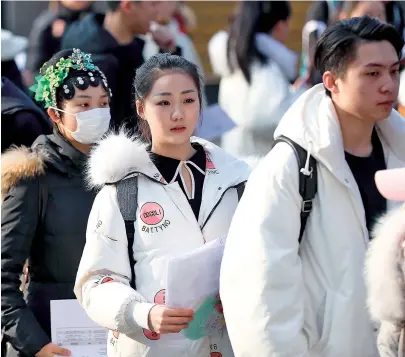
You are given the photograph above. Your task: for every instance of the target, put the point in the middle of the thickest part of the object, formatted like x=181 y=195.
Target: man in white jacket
x=283 y=298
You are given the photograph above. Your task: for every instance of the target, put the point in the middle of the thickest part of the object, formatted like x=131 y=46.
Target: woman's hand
x=165 y=320
x=51 y=349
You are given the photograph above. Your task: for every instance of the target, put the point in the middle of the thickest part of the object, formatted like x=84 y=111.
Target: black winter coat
x=43 y=218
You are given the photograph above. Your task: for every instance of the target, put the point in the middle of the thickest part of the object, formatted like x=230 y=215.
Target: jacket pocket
x=324 y=318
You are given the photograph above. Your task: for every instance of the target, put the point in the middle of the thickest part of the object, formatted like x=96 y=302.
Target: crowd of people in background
x=105 y=108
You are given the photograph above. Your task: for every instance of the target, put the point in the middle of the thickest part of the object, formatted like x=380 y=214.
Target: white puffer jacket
x=255 y=107
x=170 y=231
x=305 y=300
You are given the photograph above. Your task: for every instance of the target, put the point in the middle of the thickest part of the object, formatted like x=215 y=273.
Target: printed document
x=71 y=328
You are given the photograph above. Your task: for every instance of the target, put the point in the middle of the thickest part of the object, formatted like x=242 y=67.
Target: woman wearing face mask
x=45 y=203
x=187 y=192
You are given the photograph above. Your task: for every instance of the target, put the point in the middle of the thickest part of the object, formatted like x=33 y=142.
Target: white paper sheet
x=71 y=328
x=193 y=283
x=215 y=123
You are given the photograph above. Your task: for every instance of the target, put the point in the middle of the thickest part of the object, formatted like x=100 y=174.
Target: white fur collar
x=114 y=157
x=118 y=155
x=385 y=269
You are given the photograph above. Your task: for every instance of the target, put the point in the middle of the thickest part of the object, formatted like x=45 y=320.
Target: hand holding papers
x=193 y=283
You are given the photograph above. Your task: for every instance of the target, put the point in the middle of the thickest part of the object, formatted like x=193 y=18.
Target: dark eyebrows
x=162 y=94
x=381 y=65
x=84 y=96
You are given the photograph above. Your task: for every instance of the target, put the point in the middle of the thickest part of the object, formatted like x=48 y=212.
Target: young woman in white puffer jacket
x=188 y=190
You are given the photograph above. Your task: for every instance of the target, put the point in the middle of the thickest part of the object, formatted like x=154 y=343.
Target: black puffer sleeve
x=19 y=217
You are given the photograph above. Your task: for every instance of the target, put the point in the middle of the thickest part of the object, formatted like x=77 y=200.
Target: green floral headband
x=47 y=84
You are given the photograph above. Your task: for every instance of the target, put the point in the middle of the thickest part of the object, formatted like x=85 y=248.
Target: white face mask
x=91 y=124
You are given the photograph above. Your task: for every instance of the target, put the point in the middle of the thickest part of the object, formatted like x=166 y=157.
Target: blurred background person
x=185 y=17
x=11 y=46
x=320 y=15
x=112 y=39
x=166 y=20
x=395 y=14
x=255 y=88
x=373 y=9
x=47 y=32
x=22 y=121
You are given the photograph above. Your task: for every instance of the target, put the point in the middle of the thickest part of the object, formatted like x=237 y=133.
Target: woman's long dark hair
x=253 y=17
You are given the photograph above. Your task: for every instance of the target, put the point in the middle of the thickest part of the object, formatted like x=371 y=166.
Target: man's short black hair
x=113 y=5
x=337 y=47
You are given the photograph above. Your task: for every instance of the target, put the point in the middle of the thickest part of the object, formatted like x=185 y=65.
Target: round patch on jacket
x=152 y=213
x=107 y=280
x=151 y=335
x=160 y=297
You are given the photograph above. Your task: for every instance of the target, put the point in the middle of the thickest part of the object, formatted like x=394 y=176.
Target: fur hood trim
x=119 y=155
x=114 y=157
x=20 y=163
x=385 y=269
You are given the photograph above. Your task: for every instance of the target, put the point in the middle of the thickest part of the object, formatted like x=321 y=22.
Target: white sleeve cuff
x=137 y=314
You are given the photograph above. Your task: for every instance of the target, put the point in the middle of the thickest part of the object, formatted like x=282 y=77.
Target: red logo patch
x=208 y=163
x=152 y=213
x=107 y=280
x=151 y=335
x=215 y=354
x=159 y=299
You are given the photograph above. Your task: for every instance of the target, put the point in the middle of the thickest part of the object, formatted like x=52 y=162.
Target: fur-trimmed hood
x=119 y=155
x=385 y=268
x=19 y=163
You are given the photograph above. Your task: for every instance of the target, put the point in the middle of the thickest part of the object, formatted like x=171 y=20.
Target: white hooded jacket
x=255 y=107
x=305 y=300
x=169 y=231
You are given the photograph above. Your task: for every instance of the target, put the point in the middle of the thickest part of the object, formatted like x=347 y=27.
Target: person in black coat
x=112 y=39
x=22 y=121
x=48 y=29
x=46 y=204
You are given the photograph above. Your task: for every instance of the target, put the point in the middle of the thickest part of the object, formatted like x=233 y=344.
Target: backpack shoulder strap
x=308 y=184
x=240 y=189
x=127 y=196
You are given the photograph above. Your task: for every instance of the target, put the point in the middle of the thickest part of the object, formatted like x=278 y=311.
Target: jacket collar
x=312 y=122
x=61 y=154
x=120 y=155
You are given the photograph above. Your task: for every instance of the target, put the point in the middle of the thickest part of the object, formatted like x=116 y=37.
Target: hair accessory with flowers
x=47 y=83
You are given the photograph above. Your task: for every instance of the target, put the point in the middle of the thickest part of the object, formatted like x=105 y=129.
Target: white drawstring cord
x=307 y=171
x=179 y=171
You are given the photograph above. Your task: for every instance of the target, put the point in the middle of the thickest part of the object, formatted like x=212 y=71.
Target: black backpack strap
x=127 y=196
x=240 y=189
x=308 y=184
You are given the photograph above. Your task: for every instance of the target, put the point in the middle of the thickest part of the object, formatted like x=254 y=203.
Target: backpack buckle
x=306 y=206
